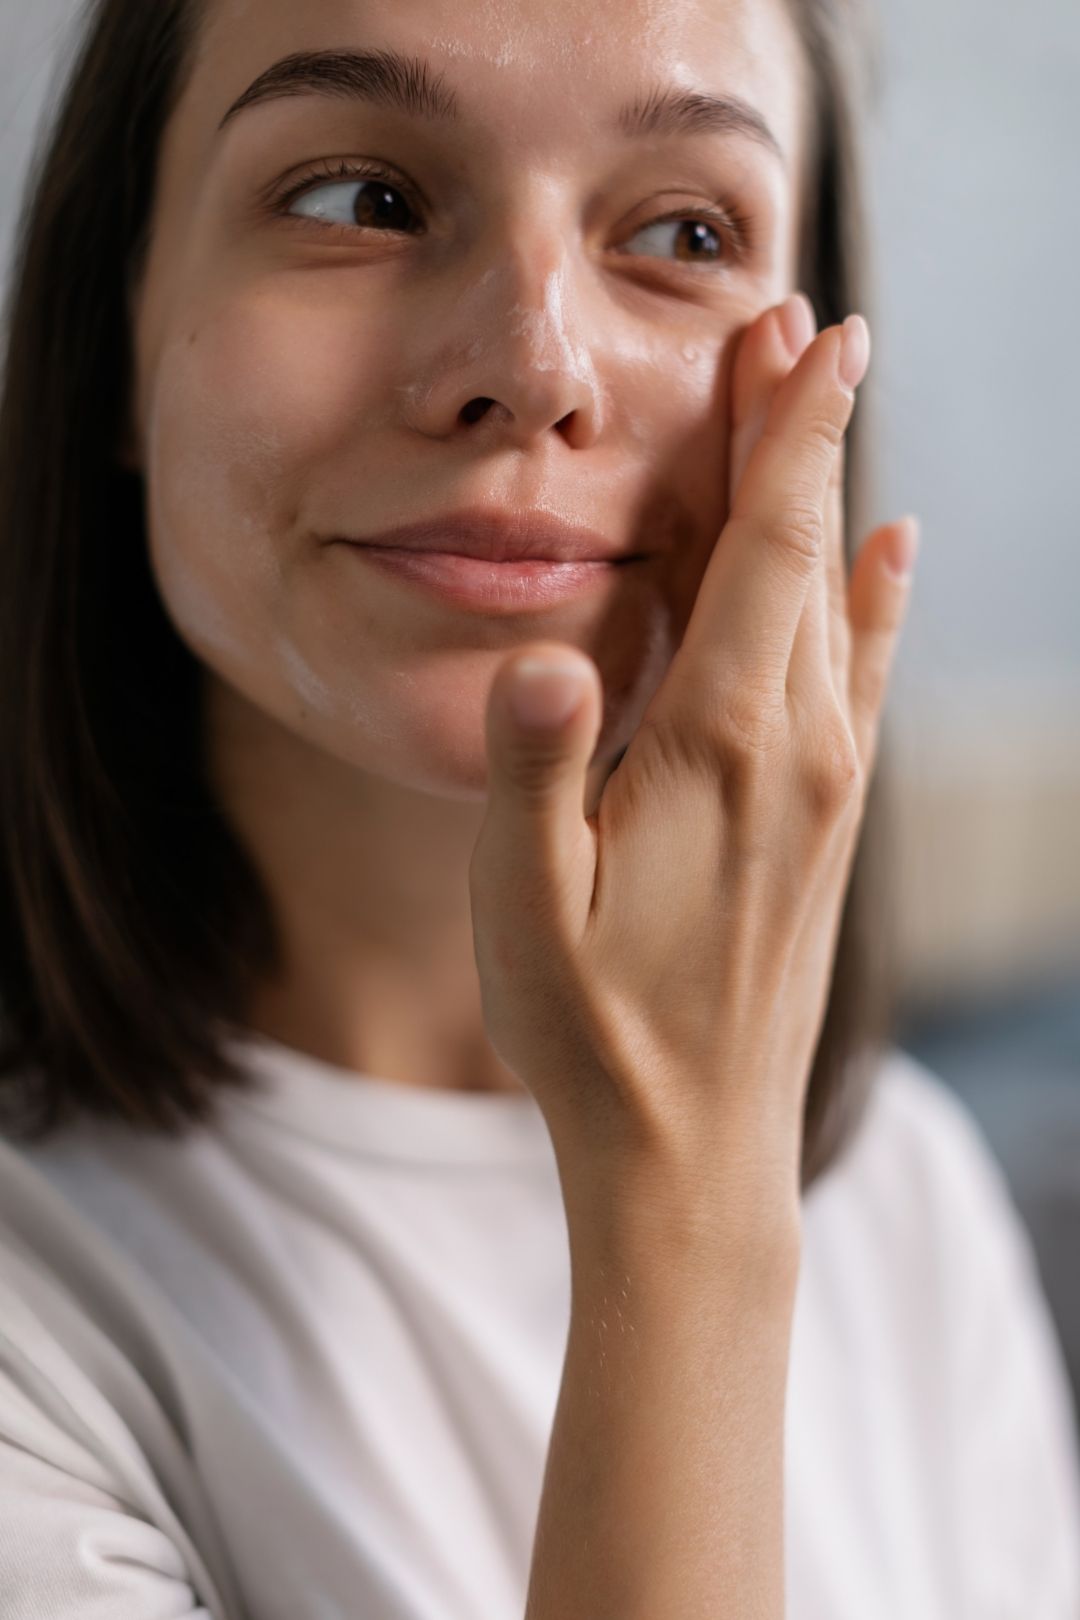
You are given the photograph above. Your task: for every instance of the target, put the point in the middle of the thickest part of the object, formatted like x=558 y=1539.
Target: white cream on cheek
x=192 y=447
x=259 y=439
x=238 y=419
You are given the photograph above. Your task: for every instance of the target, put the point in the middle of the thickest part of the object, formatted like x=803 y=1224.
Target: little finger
x=878 y=598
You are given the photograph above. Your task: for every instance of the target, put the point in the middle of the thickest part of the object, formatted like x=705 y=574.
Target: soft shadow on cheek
x=258 y=400
x=217 y=491
x=695 y=472
x=247 y=413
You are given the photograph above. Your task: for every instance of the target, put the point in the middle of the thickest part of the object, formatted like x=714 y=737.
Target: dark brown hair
x=133 y=927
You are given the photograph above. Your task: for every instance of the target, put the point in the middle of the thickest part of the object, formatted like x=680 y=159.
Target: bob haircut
x=133 y=925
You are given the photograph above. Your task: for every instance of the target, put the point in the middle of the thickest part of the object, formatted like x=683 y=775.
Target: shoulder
x=102 y=1507
x=921 y=1165
x=915 y=1244
x=916 y=1225
x=914 y=1114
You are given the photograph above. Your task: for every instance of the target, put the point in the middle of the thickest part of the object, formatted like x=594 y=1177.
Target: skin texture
x=297 y=381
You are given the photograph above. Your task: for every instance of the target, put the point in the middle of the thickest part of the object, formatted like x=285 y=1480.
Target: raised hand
x=657 y=972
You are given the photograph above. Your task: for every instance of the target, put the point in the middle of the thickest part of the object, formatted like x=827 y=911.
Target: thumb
x=543 y=721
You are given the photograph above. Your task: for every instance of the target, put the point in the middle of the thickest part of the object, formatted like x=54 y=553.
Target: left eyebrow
x=408 y=84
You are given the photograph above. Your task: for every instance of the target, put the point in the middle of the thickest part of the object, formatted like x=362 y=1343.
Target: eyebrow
x=406 y=83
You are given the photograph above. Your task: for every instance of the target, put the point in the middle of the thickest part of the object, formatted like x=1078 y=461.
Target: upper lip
x=503 y=537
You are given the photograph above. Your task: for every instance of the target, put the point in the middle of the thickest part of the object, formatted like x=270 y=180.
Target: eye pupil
x=700 y=231
x=379 y=204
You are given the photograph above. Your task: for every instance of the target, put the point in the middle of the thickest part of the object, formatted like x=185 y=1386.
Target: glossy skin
x=298 y=380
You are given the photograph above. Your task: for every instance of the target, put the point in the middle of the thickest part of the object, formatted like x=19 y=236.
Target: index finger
x=751 y=599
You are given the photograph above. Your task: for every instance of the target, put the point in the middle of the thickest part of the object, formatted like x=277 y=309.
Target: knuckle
x=748 y=723
x=825 y=429
x=535 y=771
x=831 y=775
x=799 y=530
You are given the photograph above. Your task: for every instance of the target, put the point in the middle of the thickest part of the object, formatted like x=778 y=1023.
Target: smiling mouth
x=523 y=562
x=502 y=536
x=528 y=584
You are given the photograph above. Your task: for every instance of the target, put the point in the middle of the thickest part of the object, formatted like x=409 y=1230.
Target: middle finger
x=822 y=647
x=822 y=641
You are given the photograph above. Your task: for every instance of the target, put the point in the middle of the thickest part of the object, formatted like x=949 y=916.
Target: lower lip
x=508 y=587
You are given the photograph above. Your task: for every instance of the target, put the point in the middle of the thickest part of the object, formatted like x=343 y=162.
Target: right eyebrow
x=407 y=84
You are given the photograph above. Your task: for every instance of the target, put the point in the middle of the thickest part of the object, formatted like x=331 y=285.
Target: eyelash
x=730 y=219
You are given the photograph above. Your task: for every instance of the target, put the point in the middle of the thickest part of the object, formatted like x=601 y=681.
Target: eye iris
x=379 y=204
x=699 y=231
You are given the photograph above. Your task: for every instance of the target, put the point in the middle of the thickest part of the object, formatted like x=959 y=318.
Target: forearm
x=663 y=1494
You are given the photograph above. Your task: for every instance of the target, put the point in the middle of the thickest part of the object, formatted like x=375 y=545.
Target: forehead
x=506 y=60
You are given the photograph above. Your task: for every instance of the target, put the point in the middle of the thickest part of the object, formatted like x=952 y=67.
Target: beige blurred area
x=985 y=801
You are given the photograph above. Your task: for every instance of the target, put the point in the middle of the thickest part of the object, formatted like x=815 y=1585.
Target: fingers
x=751 y=600
x=809 y=668
x=822 y=650
x=878 y=604
x=766 y=354
x=536 y=853
x=836 y=575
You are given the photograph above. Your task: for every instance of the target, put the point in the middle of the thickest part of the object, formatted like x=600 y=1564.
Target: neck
x=368 y=881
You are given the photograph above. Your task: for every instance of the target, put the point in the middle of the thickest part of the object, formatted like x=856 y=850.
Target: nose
x=511 y=363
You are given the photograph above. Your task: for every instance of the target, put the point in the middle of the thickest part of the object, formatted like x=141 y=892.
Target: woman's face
x=522 y=310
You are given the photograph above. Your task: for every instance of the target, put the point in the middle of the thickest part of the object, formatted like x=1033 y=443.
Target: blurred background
x=976 y=214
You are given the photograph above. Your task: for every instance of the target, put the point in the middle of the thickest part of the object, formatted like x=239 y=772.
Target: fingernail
x=545 y=694
x=902 y=547
x=798 y=323
x=854 y=351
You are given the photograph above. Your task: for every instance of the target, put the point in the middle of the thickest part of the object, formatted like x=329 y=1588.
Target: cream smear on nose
x=549 y=346
x=545 y=330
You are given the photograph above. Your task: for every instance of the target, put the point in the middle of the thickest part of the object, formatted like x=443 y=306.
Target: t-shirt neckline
x=375 y=1117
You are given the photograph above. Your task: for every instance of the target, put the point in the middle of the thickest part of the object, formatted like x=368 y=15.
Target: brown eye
x=381 y=206
x=367 y=204
x=696 y=241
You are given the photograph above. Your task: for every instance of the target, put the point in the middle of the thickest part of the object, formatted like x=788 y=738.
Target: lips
x=502 y=537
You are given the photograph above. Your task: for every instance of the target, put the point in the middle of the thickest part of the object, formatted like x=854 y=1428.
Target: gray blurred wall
x=977 y=207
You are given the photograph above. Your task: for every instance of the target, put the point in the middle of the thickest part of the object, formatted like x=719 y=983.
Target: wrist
x=740 y=1223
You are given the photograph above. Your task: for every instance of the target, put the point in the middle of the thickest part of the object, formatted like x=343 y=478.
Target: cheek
x=216 y=454
x=247 y=414
x=690 y=439
x=246 y=407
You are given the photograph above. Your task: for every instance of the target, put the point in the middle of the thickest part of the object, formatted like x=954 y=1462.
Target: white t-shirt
x=304 y=1366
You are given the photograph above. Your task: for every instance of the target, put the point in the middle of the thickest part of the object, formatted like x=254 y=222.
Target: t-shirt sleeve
x=71 y=1551
x=78 y=1537
x=1015 y=1441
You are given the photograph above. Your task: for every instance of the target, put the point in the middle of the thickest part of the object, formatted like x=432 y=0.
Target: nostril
x=476 y=408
